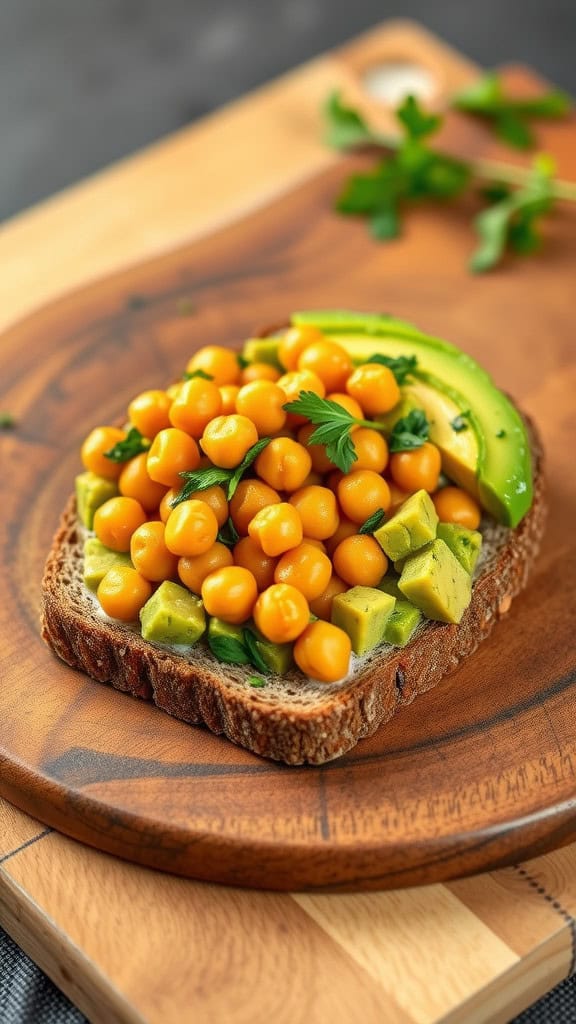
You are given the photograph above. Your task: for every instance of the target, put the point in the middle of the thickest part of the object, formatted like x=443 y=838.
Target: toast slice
x=291 y=719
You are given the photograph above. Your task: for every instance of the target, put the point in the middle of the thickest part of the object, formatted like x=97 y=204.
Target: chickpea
x=123 y=592
x=250 y=496
x=228 y=395
x=361 y=493
x=230 y=593
x=281 y=613
x=320 y=461
x=193 y=570
x=454 y=505
x=149 y=412
x=360 y=561
x=216 y=498
x=306 y=568
x=317 y=509
x=346 y=528
x=329 y=361
x=249 y=555
x=417 y=469
x=172 y=453
x=284 y=464
x=116 y=520
x=92 y=453
x=371 y=450
x=276 y=528
x=226 y=440
x=134 y=482
x=322 y=606
x=191 y=528
x=259 y=371
x=149 y=553
x=221 y=364
x=262 y=402
x=198 y=402
x=293 y=343
x=375 y=387
x=323 y=652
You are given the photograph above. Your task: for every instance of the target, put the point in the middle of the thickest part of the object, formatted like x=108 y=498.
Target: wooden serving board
x=478 y=773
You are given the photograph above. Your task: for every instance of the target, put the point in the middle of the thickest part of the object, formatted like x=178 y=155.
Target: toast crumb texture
x=291 y=719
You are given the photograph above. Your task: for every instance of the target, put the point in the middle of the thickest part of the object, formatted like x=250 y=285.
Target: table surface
x=404 y=953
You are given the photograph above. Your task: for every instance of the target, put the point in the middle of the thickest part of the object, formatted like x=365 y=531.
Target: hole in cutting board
x=390 y=81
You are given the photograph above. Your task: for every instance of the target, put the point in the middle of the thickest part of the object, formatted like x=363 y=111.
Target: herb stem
x=493 y=170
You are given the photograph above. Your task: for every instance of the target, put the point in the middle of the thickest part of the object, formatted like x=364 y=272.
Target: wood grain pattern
x=530 y=910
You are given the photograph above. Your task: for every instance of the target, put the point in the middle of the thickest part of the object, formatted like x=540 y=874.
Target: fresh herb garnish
x=238 y=650
x=401 y=366
x=215 y=476
x=459 y=423
x=413 y=171
x=242 y=361
x=374 y=522
x=133 y=444
x=501 y=433
x=510 y=117
x=409 y=432
x=228 y=534
x=256 y=681
x=512 y=220
x=7 y=421
x=333 y=425
x=190 y=374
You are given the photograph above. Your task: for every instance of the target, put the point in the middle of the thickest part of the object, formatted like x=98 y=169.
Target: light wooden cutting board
x=129 y=944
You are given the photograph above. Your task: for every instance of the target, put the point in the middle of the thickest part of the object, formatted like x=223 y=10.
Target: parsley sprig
x=409 y=432
x=133 y=444
x=333 y=424
x=212 y=476
x=242 y=650
x=402 y=366
x=510 y=117
x=373 y=522
x=412 y=171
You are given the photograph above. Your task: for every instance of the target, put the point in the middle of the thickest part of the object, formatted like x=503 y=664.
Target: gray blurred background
x=84 y=82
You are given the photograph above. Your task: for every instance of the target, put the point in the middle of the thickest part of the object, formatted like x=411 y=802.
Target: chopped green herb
x=256 y=681
x=373 y=522
x=7 y=421
x=510 y=117
x=333 y=424
x=190 y=374
x=345 y=127
x=409 y=432
x=459 y=422
x=215 y=476
x=501 y=433
x=229 y=650
x=251 y=455
x=242 y=361
x=401 y=366
x=228 y=535
x=251 y=645
x=133 y=444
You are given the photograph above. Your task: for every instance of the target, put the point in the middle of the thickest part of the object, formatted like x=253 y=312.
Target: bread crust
x=290 y=720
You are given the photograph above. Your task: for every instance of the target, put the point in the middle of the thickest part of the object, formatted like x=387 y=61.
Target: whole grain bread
x=291 y=719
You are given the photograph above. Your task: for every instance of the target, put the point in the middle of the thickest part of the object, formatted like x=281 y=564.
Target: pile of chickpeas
x=296 y=514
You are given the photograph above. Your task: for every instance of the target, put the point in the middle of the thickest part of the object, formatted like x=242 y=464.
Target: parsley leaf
x=373 y=522
x=345 y=127
x=190 y=374
x=333 y=425
x=228 y=649
x=510 y=117
x=512 y=221
x=247 y=461
x=256 y=681
x=215 y=476
x=409 y=432
x=459 y=422
x=251 y=645
x=401 y=366
x=228 y=534
x=133 y=444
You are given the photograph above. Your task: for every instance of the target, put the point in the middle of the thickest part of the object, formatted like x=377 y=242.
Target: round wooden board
x=477 y=773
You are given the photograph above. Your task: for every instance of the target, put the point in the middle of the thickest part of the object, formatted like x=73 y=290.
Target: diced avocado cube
x=402 y=623
x=363 y=612
x=412 y=525
x=262 y=350
x=98 y=559
x=436 y=583
x=389 y=585
x=91 y=492
x=278 y=657
x=173 y=616
x=463 y=543
x=217 y=628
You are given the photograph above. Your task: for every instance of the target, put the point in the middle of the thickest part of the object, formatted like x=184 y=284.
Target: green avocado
x=436 y=583
x=363 y=612
x=402 y=623
x=98 y=559
x=463 y=543
x=173 y=616
x=91 y=492
x=411 y=526
x=262 y=350
x=501 y=462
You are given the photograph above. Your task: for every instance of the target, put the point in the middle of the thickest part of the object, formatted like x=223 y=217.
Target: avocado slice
x=459 y=448
x=98 y=559
x=436 y=583
x=363 y=612
x=401 y=625
x=173 y=616
x=503 y=464
x=91 y=492
x=411 y=526
x=463 y=543
x=262 y=350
